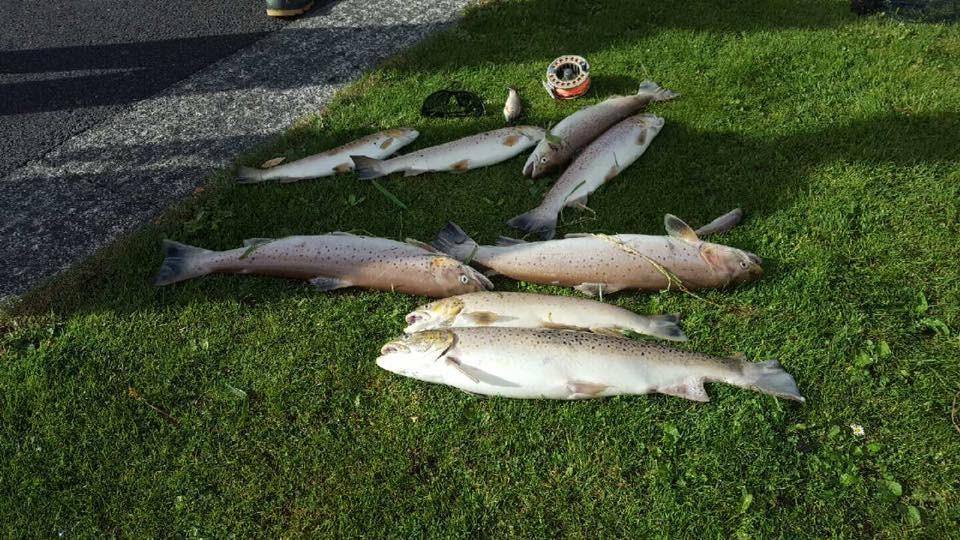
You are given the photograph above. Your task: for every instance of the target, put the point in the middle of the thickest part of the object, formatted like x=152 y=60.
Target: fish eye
x=464 y=279
x=543 y=159
x=744 y=265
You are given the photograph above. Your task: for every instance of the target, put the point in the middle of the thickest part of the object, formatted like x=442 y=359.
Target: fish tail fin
x=180 y=263
x=368 y=168
x=540 y=220
x=249 y=175
x=770 y=378
x=454 y=242
x=656 y=91
x=663 y=327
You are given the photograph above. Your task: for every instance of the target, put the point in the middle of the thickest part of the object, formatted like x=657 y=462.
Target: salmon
x=580 y=128
x=525 y=310
x=330 y=261
x=529 y=363
x=461 y=155
x=596 y=263
x=331 y=162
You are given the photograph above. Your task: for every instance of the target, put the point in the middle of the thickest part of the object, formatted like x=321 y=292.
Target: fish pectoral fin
x=477 y=375
x=597 y=289
x=414 y=172
x=423 y=245
x=558 y=326
x=583 y=389
x=484 y=318
x=691 y=389
x=504 y=241
x=676 y=228
x=256 y=241
x=324 y=283
x=611 y=331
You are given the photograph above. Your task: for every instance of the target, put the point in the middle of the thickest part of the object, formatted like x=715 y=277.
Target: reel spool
x=568 y=77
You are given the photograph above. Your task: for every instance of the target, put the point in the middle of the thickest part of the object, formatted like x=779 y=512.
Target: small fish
x=331 y=162
x=604 y=158
x=330 y=261
x=595 y=264
x=513 y=107
x=461 y=155
x=524 y=310
x=585 y=125
x=550 y=364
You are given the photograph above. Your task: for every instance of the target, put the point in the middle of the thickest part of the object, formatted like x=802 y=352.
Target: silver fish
x=585 y=125
x=331 y=162
x=513 y=108
x=330 y=261
x=525 y=310
x=604 y=158
x=461 y=155
x=536 y=364
x=595 y=264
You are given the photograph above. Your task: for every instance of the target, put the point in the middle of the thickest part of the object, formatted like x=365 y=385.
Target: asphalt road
x=103 y=129
x=65 y=65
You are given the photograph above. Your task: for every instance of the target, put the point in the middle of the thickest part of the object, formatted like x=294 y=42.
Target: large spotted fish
x=475 y=151
x=580 y=128
x=554 y=364
x=526 y=310
x=331 y=162
x=596 y=263
x=600 y=161
x=330 y=261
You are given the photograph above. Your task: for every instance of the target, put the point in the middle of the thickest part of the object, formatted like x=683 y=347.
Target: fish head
x=545 y=158
x=403 y=136
x=437 y=314
x=418 y=355
x=454 y=277
x=741 y=266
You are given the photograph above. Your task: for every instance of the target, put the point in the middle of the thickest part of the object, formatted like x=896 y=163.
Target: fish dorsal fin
x=691 y=389
x=504 y=241
x=340 y=233
x=422 y=245
x=676 y=228
x=577 y=235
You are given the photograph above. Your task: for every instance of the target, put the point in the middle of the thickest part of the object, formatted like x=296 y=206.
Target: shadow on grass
x=696 y=165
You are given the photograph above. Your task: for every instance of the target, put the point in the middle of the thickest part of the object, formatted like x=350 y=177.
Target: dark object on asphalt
x=452 y=104
x=288 y=8
x=910 y=10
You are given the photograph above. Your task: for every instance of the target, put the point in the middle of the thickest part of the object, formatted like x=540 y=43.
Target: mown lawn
x=252 y=406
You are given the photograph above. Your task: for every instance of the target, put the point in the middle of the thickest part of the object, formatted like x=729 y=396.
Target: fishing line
x=568 y=77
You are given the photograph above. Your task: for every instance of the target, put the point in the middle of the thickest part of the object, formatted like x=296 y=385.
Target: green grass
x=838 y=136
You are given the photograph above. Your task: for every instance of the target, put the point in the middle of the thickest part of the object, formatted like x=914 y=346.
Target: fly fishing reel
x=568 y=77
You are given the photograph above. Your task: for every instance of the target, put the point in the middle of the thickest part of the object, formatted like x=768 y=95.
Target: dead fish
x=585 y=125
x=461 y=155
x=595 y=264
x=331 y=162
x=513 y=107
x=525 y=310
x=550 y=364
x=604 y=158
x=330 y=261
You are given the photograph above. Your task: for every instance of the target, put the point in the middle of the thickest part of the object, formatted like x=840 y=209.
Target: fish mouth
x=392 y=347
x=416 y=321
